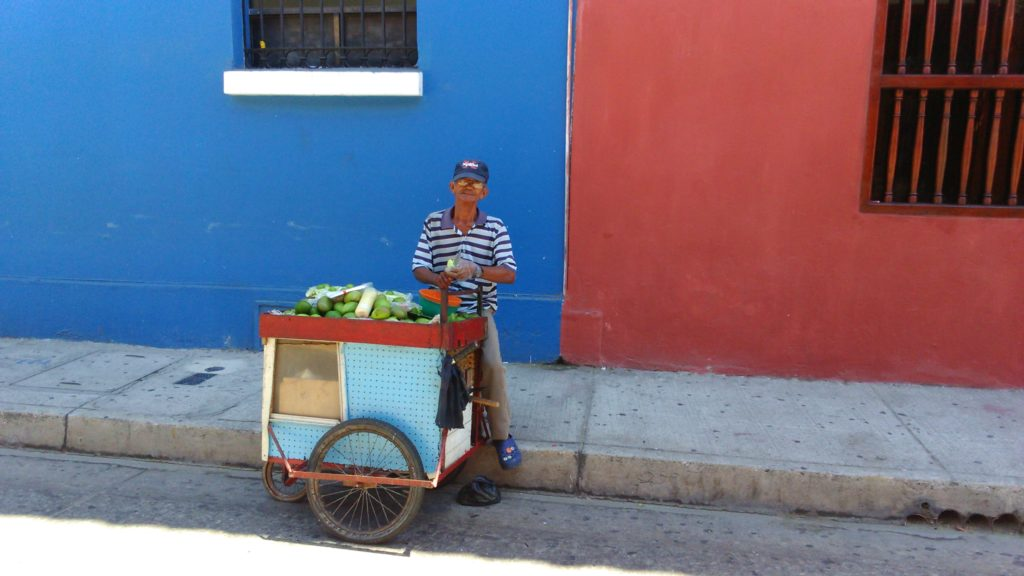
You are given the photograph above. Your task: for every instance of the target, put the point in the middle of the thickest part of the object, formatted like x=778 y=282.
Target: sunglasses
x=469 y=183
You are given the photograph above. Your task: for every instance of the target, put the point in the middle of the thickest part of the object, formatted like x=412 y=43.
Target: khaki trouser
x=493 y=381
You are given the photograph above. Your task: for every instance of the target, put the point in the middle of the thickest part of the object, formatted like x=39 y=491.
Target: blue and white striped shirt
x=487 y=243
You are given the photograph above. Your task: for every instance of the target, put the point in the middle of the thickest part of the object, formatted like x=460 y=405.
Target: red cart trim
x=450 y=336
x=350 y=479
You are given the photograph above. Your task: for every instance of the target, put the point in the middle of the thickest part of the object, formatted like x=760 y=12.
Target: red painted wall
x=714 y=221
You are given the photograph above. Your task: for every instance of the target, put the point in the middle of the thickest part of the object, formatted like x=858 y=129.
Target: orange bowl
x=430 y=301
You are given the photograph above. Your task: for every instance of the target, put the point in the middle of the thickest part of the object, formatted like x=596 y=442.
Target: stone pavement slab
x=102 y=371
x=61 y=399
x=550 y=402
x=195 y=388
x=21 y=359
x=975 y=435
x=785 y=422
x=246 y=410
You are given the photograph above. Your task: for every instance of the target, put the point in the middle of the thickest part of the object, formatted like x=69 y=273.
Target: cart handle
x=479 y=292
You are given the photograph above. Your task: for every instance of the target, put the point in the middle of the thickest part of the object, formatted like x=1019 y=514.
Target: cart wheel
x=365 y=514
x=279 y=486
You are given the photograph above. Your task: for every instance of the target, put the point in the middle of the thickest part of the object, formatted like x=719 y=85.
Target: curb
x=238 y=446
x=44 y=428
x=759 y=489
x=565 y=468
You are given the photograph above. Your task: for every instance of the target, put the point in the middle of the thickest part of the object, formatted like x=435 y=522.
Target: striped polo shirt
x=487 y=243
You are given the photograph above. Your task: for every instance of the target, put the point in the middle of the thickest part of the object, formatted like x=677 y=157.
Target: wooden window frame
x=953 y=80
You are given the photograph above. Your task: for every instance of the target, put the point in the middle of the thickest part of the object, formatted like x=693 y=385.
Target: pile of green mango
x=393 y=306
x=388 y=305
x=326 y=308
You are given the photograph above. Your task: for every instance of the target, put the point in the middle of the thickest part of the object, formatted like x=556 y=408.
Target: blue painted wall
x=142 y=205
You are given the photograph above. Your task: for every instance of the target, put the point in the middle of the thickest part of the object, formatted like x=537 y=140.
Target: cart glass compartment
x=306 y=380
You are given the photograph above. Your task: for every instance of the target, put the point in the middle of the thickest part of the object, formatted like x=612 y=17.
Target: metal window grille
x=330 y=33
x=946 y=116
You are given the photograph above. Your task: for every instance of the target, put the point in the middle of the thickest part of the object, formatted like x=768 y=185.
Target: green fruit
x=302 y=307
x=381 y=300
x=324 y=304
x=349 y=315
x=338 y=306
x=306 y=315
x=399 y=313
x=380 y=313
x=423 y=320
x=353 y=296
x=348 y=307
x=399 y=298
x=333 y=314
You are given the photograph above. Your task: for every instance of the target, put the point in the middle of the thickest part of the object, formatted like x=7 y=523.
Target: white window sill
x=363 y=82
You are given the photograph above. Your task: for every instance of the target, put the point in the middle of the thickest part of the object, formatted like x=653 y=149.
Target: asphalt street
x=73 y=511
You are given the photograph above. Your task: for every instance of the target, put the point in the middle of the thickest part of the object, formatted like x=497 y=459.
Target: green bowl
x=428 y=308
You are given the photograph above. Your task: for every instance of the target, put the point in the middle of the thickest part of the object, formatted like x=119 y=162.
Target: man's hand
x=464 y=270
x=443 y=280
x=428 y=276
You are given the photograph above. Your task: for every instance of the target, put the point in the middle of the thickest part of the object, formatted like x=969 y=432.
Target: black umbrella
x=453 y=397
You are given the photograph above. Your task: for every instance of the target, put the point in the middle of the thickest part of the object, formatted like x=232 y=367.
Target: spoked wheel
x=365 y=513
x=280 y=486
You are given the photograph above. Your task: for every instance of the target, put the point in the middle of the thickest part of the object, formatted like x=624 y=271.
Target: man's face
x=468 y=190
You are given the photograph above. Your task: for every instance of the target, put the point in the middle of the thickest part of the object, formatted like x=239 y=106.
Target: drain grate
x=1008 y=523
x=195 y=379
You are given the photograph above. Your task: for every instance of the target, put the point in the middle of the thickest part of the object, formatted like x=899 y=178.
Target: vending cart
x=348 y=420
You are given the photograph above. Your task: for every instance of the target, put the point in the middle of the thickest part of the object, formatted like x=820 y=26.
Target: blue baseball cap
x=475 y=169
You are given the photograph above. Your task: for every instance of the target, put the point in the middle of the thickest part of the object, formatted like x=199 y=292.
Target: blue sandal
x=508 y=453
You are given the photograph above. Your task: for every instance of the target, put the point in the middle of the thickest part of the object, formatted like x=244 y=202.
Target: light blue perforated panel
x=398 y=385
x=297 y=439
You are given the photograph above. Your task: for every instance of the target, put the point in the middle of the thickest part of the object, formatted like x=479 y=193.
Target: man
x=480 y=245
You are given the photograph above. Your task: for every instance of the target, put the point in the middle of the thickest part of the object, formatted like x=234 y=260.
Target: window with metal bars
x=946 y=120
x=330 y=33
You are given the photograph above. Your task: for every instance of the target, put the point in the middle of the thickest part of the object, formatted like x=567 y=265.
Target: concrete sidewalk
x=861 y=449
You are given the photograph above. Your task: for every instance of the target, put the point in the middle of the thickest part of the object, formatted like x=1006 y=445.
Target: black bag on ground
x=453 y=397
x=481 y=491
